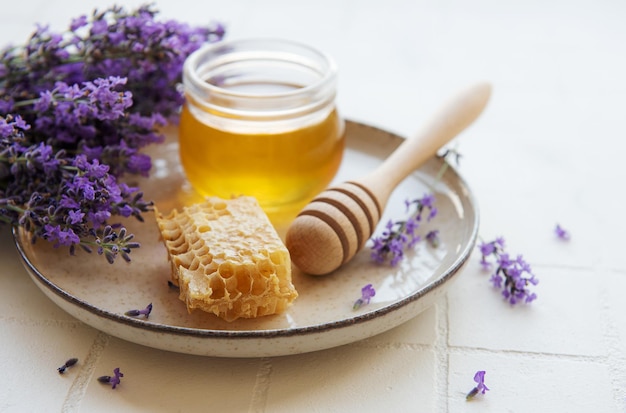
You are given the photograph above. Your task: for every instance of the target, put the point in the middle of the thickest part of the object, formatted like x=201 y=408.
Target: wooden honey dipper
x=337 y=223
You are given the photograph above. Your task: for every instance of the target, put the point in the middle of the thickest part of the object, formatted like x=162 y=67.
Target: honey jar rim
x=196 y=65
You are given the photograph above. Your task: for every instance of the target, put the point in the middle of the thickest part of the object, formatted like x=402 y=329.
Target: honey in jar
x=260 y=120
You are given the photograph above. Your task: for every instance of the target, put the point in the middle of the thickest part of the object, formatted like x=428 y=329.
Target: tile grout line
x=258 y=401
x=395 y=345
x=78 y=388
x=44 y=322
x=615 y=358
x=581 y=268
x=528 y=353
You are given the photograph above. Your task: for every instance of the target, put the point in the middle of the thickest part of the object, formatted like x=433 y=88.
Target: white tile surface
x=548 y=149
x=565 y=318
x=522 y=383
x=30 y=356
x=161 y=381
x=352 y=378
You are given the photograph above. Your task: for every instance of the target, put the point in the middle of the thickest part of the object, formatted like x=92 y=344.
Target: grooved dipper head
x=332 y=228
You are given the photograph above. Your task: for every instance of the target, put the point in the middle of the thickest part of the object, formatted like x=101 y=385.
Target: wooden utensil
x=336 y=224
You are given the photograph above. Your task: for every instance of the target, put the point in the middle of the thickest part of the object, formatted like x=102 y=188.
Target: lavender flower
x=367 y=293
x=146 y=312
x=479 y=378
x=513 y=275
x=401 y=235
x=433 y=238
x=69 y=363
x=112 y=380
x=76 y=109
x=561 y=233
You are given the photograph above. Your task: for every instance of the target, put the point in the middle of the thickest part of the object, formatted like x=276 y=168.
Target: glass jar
x=260 y=120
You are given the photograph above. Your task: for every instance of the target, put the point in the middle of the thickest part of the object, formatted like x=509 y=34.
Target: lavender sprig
x=402 y=234
x=76 y=109
x=512 y=276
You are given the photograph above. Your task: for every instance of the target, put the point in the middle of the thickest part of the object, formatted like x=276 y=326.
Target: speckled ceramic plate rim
x=243 y=333
x=445 y=276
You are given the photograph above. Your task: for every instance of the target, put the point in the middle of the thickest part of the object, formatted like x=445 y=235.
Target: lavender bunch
x=512 y=276
x=76 y=108
x=112 y=42
x=402 y=234
x=64 y=199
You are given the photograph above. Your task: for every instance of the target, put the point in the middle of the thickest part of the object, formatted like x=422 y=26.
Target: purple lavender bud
x=496 y=280
x=367 y=293
x=69 y=363
x=428 y=200
x=78 y=22
x=112 y=380
x=433 y=238
x=561 y=233
x=487 y=248
x=134 y=313
x=479 y=378
x=115 y=380
x=104 y=379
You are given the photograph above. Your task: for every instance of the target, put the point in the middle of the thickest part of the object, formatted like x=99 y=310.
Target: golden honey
x=278 y=169
x=260 y=120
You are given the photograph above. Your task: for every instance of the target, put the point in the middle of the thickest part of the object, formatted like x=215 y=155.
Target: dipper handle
x=331 y=229
x=451 y=120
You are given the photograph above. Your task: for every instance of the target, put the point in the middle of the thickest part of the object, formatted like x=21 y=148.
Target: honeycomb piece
x=227 y=259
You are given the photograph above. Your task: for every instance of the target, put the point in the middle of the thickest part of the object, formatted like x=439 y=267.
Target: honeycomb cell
x=227 y=259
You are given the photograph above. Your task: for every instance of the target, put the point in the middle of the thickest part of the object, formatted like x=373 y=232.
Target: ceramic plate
x=99 y=294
